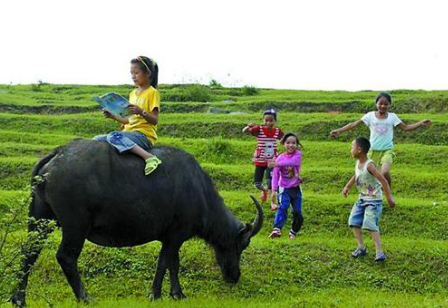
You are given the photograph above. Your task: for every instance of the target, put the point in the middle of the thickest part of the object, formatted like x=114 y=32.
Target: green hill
x=315 y=270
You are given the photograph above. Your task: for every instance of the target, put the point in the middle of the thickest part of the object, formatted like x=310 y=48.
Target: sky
x=299 y=44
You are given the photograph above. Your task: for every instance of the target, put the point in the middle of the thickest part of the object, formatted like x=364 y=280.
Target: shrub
x=10 y=248
x=188 y=93
x=198 y=93
x=249 y=90
x=214 y=84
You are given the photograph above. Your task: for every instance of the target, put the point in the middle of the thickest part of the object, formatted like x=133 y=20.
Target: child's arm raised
x=373 y=171
x=246 y=129
x=348 y=186
x=414 y=126
x=349 y=126
x=295 y=161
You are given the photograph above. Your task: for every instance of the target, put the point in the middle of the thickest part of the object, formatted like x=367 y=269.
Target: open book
x=114 y=103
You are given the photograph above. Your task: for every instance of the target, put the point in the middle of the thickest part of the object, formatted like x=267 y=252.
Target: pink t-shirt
x=287 y=172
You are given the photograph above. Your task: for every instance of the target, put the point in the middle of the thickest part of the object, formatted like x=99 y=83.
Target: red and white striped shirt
x=266 y=143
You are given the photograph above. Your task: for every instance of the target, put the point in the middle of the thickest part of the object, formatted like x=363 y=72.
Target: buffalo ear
x=245 y=234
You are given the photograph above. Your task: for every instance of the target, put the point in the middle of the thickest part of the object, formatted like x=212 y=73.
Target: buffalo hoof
x=154 y=296
x=88 y=300
x=178 y=295
x=18 y=301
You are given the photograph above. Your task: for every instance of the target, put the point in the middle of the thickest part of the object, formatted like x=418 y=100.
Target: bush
x=215 y=84
x=10 y=248
x=249 y=90
x=188 y=93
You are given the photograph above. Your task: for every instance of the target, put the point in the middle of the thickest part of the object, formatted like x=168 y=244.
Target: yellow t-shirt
x=147 y=100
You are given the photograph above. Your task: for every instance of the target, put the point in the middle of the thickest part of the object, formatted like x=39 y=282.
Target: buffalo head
x=228 y=252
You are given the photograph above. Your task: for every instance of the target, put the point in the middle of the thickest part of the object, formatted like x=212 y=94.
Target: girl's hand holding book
x=108 y=115
x=134 y=109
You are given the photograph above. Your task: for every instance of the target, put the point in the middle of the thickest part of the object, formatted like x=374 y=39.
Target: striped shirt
x=266 y=143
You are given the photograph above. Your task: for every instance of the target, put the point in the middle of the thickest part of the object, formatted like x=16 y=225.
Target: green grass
x=305 y=298
x=183 y=97
x=316 y=270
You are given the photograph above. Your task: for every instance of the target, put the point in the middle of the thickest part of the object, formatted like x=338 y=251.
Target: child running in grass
x=267 y=136
x=381 y=124
x=367 y=209
x=139 y=129
x=285 y=179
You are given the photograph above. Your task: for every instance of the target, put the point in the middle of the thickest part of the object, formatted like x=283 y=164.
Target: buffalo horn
x=258 y=221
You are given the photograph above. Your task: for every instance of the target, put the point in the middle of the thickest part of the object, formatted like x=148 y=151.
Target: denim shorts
x=124 y=141
x=366 y=214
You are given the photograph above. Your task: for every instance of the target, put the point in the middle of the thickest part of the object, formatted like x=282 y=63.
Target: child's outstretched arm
x=374 y=171
x=348 y=186
x=409 y=127
x=295 y=161
x=246 y=129
x=349 y=126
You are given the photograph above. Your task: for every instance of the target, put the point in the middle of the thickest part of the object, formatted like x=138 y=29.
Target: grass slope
x=315 y=270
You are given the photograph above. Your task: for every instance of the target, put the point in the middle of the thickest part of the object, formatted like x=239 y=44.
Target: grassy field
x=315 y=270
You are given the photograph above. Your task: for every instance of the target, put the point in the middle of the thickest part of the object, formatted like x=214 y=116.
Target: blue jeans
x=286 y=197
x=124 y=141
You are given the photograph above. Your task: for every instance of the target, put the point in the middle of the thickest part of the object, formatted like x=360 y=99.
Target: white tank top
x=369 y=187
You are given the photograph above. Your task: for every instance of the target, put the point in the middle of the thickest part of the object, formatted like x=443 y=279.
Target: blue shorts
x=366 y=214
x=124 y=141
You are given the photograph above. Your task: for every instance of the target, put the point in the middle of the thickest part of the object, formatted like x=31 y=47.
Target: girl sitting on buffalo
x=139 y=129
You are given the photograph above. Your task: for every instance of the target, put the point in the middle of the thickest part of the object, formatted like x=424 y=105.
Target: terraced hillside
x=315 y=270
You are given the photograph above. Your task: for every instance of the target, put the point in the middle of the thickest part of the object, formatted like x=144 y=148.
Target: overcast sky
x=309 y=44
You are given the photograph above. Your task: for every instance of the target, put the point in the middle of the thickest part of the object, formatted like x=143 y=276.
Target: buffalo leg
x=38 y=231
x=168 y=259
x=67 y=256
x=173 y=267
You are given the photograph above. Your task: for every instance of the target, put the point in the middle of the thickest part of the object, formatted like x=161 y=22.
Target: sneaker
x=292 y=235
x=264 y=195
x=274 y=207
x=380 y=256
x=275 y=233
x=359 y=252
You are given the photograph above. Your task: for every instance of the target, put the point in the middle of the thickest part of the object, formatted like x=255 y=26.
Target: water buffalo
x=97 y=194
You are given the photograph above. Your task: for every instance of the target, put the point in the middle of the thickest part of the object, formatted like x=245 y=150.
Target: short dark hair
x=385 y=95
x=363 y=143
x=271 y=112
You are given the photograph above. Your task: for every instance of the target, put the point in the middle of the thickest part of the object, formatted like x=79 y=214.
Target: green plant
x=250 y=90
x=214 y=84
x=198 y=93
x=10 y=249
